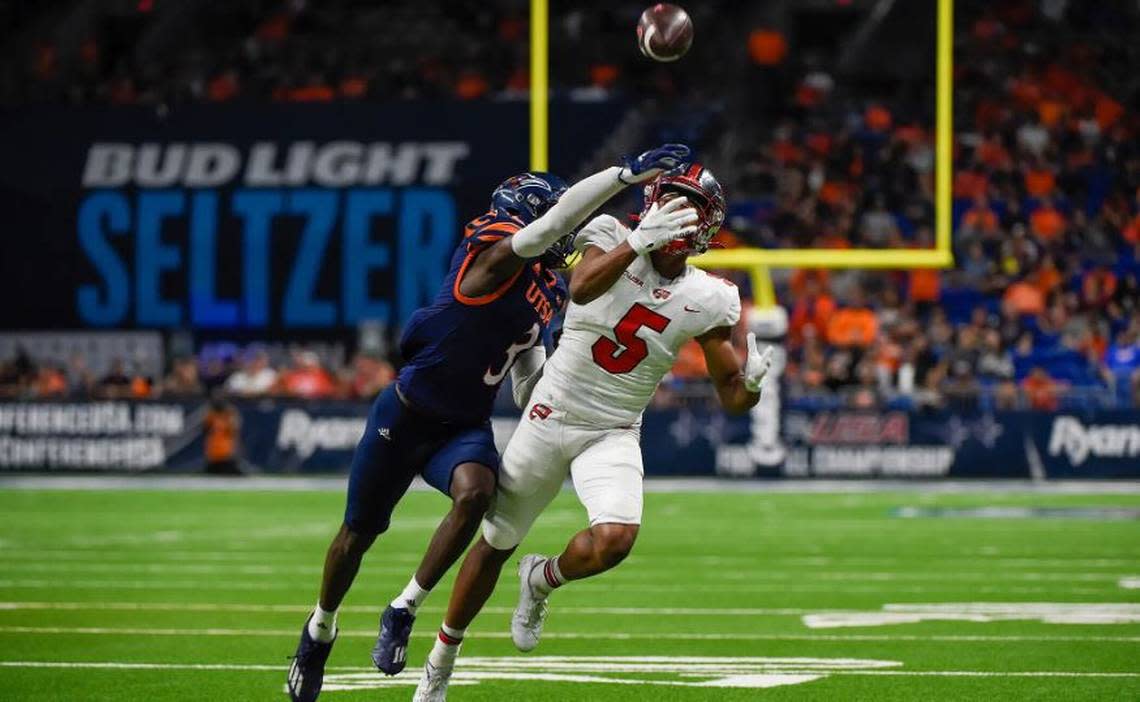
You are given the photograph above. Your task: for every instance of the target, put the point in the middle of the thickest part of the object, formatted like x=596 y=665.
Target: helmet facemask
x=704 y=193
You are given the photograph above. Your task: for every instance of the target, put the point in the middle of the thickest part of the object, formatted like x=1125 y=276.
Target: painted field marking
x=760 y=573
x=1130 y=583
x=1045 y=612
x=264 y=585
x=564 y=635
x=304 y=609
x=412 y=677
x=31 y=553
x=700 y=672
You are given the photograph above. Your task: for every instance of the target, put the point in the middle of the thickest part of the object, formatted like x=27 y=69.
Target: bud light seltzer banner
x=268 y=219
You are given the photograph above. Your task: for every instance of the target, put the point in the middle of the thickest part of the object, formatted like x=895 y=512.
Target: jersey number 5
x=632 y=350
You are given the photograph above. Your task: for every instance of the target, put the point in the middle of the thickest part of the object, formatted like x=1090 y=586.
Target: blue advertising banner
x=268 y=219
x=306 y=437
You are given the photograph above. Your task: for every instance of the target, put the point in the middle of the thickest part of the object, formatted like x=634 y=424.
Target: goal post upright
x=758 y=262
x=539 y=89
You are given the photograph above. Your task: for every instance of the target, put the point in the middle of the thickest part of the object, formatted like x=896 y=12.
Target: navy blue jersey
x=459 y=349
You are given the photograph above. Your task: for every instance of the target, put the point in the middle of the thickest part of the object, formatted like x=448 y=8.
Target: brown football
x=664 y=32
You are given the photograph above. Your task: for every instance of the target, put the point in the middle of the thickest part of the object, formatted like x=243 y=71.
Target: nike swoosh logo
x=689 y=309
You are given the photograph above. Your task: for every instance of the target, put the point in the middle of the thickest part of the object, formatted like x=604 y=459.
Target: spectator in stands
x=864 y=393
x=877 y=226
x=854 y=324
x=979 y=222
x=306 y=378
x=254 y=378
x=1041 y=391
x=961 y=388
x=81 y=381
x=813 y=307
x=370 y=374
x=1024 y=298
x=50 y=381
x=183 y=379
x=995 y=365
x=1122 y=360
x=16 y=375
x=116 y=383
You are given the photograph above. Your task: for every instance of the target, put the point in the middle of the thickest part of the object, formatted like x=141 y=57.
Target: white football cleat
x=530 y=614
x=433 y=684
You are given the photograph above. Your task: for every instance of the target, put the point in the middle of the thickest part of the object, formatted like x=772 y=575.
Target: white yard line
x=631 y=575
x=114 y=665
x=31 y=554
x=988 y=673
x=555 y=635
x=642 y=588
x=304 y=609
x=337 y=483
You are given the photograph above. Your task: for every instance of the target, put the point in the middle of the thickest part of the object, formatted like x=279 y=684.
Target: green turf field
x=181 y=595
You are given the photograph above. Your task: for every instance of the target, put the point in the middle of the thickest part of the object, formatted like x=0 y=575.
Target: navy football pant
x=398 y=444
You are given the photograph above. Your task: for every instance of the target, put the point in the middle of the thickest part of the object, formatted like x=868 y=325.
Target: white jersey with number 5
x=615 y=350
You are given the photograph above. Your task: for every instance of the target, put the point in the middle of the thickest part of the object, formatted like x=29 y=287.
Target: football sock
x=322 y=625
x=412 y=597
x=446 y=646
x=545 y=576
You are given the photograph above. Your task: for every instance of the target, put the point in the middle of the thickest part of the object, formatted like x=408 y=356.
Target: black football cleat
x=391 y=652
x=307 y=671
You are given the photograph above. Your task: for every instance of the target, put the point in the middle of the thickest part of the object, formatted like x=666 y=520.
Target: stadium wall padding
x=293 y=437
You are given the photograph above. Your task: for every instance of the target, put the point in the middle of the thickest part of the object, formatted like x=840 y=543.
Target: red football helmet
x=706 y=195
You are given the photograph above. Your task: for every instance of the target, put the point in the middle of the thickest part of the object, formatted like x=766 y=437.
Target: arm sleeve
x=576 y=204
x=526 y=372
x=603 y=231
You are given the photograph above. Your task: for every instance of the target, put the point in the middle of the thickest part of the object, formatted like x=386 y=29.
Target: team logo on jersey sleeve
x=539 y=411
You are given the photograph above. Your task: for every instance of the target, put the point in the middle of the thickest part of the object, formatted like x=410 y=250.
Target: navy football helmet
x=526 y=197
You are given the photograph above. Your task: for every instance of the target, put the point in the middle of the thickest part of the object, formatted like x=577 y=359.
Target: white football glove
x=757 y=366
x=662 y=224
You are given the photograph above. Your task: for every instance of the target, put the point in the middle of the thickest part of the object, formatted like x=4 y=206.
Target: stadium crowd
x=152 y=53
x=249 y=373
x=1043 y=306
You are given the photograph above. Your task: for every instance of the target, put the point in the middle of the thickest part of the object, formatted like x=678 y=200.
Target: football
x=664 y=32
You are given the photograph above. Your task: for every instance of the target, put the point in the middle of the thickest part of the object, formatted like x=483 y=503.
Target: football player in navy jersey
x=496 y=302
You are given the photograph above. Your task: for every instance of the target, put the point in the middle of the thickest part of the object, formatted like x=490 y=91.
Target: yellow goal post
x=759 y=261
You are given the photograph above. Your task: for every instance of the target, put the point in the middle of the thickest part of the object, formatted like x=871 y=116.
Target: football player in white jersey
x=635 y=300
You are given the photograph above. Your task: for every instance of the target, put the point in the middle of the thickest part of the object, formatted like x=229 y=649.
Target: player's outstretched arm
x=599 y=270
x=503 y=259
x=738 y=388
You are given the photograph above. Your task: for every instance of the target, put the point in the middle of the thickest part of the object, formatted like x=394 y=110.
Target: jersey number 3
x=623 y=355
